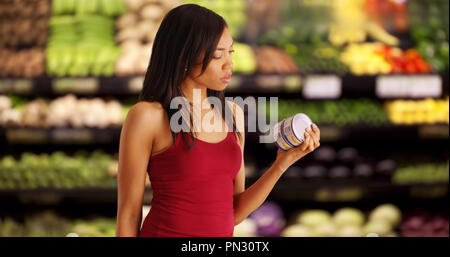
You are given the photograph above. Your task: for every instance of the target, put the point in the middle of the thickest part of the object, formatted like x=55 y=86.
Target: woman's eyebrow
x=221 y=48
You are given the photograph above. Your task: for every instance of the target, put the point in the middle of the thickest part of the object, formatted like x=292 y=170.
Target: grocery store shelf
x=349 y=190
x=377 y=134
x=287 y=189
x=385 y=133
x=329 y=133
x=127 y=86
x=79 y=136
x=311 y=86
x=55 y=195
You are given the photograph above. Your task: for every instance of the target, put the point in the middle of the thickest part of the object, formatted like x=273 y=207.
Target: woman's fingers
x=311 y=144
x=314 y=139
x=305 y=142
x=316 y=129
x=316 y=135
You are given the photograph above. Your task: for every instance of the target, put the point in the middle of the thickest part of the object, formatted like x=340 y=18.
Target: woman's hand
x=286 y=158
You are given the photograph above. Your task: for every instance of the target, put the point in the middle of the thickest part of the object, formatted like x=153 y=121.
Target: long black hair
x=185 y=33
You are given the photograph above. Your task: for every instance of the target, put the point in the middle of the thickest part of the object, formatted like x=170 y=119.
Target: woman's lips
x=226 y=79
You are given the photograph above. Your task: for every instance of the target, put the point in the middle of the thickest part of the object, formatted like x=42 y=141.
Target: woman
x=198 y=178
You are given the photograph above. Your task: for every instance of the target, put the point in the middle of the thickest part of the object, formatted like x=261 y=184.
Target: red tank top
x=193 y=190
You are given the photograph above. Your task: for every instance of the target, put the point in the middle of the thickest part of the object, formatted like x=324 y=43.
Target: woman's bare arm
x=135 y=148
x=248 y=200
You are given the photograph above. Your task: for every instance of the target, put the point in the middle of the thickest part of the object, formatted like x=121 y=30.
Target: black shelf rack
x=287 y=189
x=329 y=133
x=283 y=85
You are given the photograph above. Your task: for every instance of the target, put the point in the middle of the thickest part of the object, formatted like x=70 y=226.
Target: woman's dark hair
x=185 y=33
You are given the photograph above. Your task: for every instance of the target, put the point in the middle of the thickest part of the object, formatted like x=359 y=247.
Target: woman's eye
x=217 y=57
x=232 y=51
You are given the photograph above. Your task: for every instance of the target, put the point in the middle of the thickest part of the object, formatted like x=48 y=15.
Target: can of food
x=290 y=132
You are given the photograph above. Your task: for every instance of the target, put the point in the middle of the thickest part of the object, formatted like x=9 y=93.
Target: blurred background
x=373 y=74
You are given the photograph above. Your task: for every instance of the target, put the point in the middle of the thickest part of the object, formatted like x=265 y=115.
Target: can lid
x=303 y=116
x=299 y=124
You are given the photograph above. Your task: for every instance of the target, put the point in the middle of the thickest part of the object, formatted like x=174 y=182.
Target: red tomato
x=409 y=68
x=411 y=54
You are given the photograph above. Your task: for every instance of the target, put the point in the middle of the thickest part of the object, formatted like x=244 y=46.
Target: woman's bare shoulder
x=148 y=114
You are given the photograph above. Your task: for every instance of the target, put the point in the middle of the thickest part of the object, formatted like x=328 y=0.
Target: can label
x=290 y=132
x=280 y=142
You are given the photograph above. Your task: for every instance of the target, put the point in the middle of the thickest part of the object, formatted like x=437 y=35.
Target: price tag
x=412 y=86
x=76 y=85
x=270 y=81
x=434 y=132
x=330 y=134
x=428 y=192
x=22 y=86
x=6 y=85
x=41 y=196
x=323 y=195
x=25 y=136
x=72 y=136
x=292 y=83
x=348 y=194
x=339 y=194
x=322 y=87
x=136 y=84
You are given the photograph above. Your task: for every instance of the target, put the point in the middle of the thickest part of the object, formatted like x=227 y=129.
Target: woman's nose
x=228 y=64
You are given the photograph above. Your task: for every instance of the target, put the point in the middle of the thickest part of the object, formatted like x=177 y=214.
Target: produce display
x=376 y=58
x=422 y=223
x=233 y=11
x=81 y=46
x=351 y=24
x=23 y=23
x=53 y=40
x=86 y=7
x=269 y=219
x=273 y=60
x=339 y=112
x=247 y=228
x=430 y=31
x=57 y=170
x=344 y=222
x=422 y=173
x=307 y=41
x=323 y=58
x=427 y=111
x=62 y=112
x=22 y=63
x=333 y=38
x=136 y=31
x=50 y=224
x=244 y=59
x=365 y=59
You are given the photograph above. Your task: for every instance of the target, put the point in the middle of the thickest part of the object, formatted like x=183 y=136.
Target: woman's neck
x=190 y=89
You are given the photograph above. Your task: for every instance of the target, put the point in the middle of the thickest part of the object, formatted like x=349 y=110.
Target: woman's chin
x=221 y=87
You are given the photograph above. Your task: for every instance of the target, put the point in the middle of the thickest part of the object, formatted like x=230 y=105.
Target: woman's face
x=218 y=72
